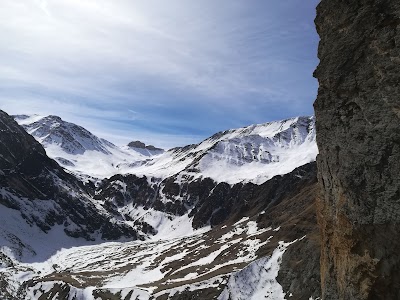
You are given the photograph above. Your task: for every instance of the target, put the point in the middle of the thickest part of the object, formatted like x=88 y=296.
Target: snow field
x=149 y=268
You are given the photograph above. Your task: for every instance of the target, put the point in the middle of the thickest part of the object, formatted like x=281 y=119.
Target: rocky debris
x=357 y=113
x=214 y=204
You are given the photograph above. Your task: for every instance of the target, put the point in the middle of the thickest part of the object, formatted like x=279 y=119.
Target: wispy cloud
x=143 y=60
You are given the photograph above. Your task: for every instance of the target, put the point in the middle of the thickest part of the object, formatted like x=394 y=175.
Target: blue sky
x=168 y=73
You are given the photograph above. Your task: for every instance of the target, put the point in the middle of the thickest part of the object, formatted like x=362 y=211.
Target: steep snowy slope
x=251 y=154
x=37 y=197
x=80 y=151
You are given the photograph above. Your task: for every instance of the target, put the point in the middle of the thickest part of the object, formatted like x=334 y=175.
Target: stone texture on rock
x=358 y=135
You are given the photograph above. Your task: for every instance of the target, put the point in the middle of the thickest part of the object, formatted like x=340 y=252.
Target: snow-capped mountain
x=251 y=154
x=80 y=151
x=37 y=196
x=205 y=235
x=71 y=138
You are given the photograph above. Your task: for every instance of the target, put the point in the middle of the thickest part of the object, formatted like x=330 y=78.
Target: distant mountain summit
x=80 y=151
x=216 y=218
x=140 y=145
x=254 y=153
x=71 y=138
x=36 y=195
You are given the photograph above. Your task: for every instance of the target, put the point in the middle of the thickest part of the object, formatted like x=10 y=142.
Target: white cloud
x=72 y=45
x=76 y=57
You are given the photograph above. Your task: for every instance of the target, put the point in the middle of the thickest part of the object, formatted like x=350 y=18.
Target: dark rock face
x=45 y=195
x=141 y=145
x=299 y=272
x=358 y=135
x=152 y=148
x=286 y=201
x=294 y=213
x=137 y=144
x=209 y=202
x=224 y=201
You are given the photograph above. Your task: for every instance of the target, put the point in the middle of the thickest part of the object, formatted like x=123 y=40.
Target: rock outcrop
x=44 y=194
x=141 y=145
x=208 y=202
x=358 y=135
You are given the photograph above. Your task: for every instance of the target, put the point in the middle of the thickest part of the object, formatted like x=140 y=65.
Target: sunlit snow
x=251 y=154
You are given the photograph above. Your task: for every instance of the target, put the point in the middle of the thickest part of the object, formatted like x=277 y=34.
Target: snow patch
x=258 y=280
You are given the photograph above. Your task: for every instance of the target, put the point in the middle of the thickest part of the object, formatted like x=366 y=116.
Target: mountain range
x=250 y=154
x=238 y=216
x=85 y=219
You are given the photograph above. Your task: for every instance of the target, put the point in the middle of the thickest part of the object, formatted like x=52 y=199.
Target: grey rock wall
x=358 y=135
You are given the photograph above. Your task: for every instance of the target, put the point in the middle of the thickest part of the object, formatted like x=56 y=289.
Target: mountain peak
x=254 y=153
x=190 y=206
x=52 y=130
x=79 y=150
x=141 y=145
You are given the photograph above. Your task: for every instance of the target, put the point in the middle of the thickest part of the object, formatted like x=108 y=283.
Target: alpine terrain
x=229 y=218
x=239 y=216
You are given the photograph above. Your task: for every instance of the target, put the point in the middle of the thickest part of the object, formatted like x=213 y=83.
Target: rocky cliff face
x=357 y=113
x=208 y=202
x=44 y=194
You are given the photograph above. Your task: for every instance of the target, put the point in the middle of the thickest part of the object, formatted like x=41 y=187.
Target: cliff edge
x=358 y=135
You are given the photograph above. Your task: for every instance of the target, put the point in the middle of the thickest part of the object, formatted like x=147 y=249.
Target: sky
x=169 y=73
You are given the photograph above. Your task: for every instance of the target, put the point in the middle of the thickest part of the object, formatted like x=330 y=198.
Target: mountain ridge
x=257 y=152
x=77 y=149
x=235 y=224
x=45 y=195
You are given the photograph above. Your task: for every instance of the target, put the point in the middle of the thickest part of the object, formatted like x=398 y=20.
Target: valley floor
x=215 y=262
